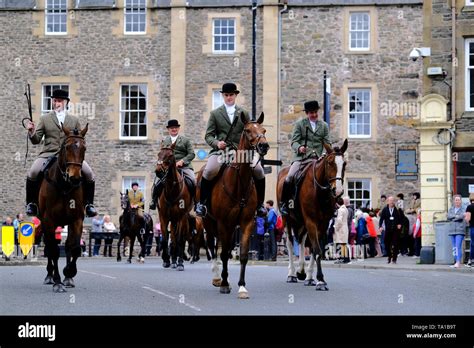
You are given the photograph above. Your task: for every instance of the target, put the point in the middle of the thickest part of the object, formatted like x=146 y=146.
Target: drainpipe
x=281 y=12
x=449 y=162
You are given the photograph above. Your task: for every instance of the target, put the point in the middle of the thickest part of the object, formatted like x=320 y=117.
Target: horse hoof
x=58 y=288
x=173 y=265
x=119 y=259
x=180 y=268
x=192 y=261
x=301 y=276
x=321 y=286
x=129 y=260
x=69 y=283
x=166 y=264
x=292 y=279
x=216 y=282
x=48 y=280
x=243 y=293
x=141 y=260
x=309 y=282
x=225 y=290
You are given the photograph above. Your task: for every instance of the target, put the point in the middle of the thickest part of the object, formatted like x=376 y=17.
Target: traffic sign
x=26 y=237
x=8 y=240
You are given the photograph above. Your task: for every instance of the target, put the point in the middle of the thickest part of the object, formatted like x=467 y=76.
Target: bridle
x=330 y=180
x=62 y=151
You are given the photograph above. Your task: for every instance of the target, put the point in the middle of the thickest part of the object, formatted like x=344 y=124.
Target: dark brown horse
x=233 y=203
x=314 y=207
x=175 y=203
x=61 y=203
x=198 y=239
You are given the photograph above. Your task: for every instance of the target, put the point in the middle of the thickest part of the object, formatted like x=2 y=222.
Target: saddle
x=188 y=182
x=299 y=176
x=49 y=162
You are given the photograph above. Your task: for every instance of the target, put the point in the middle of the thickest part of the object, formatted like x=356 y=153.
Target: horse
x=198 y=239
x=233 y=204
x=131 y=227
x=61 y=203
x=321 y=185
x=175 y=203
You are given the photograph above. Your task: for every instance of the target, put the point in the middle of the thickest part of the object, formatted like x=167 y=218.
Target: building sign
x=406 y=168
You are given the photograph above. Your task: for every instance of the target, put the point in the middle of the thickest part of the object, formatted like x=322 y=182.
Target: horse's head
x=254 y=134
x=335 y=166
x=72 y=154
x=124 y=201
x=165 y=160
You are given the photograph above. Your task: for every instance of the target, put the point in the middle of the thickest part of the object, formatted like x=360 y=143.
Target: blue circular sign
x=26 y=230
x=202 y=154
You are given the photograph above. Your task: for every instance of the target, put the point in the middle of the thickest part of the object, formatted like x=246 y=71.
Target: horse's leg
x=73 y=251
x=173 y=246
x=142 y=242
x=53 y=254
x=182 y=232
x=226 y=241
x=211 y=246
x=321 y=285
x=244 y=256
x=132 y=244
x=291 y=263
x=50 y=268
x=301 y=274
x=119 y=257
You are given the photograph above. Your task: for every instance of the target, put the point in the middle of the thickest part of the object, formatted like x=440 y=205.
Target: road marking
x=98 y=274
x=171 y=297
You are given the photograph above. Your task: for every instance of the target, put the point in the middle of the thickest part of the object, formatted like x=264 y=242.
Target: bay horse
x=174 y=204
x=61 y=203
x=321 y=185
x=233 y=204
x=131 y=227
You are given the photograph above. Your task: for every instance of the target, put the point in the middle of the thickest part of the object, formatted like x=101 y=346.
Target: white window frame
x=354 y=199
x=121 y=111
x=44 y=97
x=469 y=2
x=217 y=99
x=135 y=10
x=46 y=11
x=351 y=31
x=127 y=182
x=467 y=78
x=226 y=35
x=360 y=136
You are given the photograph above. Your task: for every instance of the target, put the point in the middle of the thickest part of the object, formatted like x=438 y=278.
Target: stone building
x=129 y=66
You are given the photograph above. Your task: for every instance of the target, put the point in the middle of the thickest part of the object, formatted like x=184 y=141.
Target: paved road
x=105 y=287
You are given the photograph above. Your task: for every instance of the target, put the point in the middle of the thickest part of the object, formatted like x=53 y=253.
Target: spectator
x=350 y=218
x=108 y=227
x=400 y=201
x=470 y=220
x=417 y=233
x=392 y=219
x=383 y=202
x=457 y=214
x=271 y=222
x=16 y=225
x=362 y=234
x=97 y=223
x=158 y=236
x=260 y=228
x=372 y=233
x=341 y=232
x=83 y=247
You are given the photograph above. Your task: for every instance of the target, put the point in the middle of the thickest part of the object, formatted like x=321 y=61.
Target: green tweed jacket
x=48 y=126
x=219 y=125
x=315 y=139
x=183 y=150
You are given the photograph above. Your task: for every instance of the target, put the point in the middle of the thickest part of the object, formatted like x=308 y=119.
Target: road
x=105 y=287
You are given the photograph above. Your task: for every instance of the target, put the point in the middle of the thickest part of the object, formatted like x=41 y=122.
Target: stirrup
x=90 y=210
x=261 y=211
x=201 y=209
x=284 y=209
x=152 y=205
x=31 y=209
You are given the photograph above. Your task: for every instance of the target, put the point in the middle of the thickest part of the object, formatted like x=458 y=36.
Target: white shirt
x=230 y=112
x=61 y=116
x=173 y=139
x=313 y=125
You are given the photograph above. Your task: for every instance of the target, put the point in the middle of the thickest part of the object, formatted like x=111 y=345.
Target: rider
x=223 y=120
x=309 y=135
x=49 y=127
x=183 y=153
x=137 y=201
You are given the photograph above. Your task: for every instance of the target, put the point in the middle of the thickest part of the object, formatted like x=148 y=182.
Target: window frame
x=350 y=31
x=467 y=68
x=214 y=102
x=354 y=199
x=125 y=32
x=121 y=122
x=214 y=51
x=359 y=136
x=46 y=9
x=141 y=184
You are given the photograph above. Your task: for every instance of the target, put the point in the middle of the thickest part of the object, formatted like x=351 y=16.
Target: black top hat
x=229 y=88
x=311 y=105
x=60 y=94
x=173 y=123
x=134 y=183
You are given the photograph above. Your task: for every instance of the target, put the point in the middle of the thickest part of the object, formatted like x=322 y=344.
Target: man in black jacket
x=392 y=218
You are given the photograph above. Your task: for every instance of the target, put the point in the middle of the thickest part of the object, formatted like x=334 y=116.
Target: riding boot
x=156 y=193
x=201 y=209
x=32 y=193
x=285 y=196
x=89 y=189
x=110 y=250
x=260 y=187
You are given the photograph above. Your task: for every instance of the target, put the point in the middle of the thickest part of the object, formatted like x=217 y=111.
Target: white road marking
x=171 y=297
x=98 y=274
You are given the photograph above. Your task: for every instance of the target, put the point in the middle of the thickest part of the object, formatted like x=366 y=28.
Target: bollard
x=266 y=247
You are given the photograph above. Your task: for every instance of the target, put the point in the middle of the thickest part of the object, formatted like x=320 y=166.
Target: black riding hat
x=134 y=183
x=60 y=94
x=311 y=105
x=229 y=88
x=173 y=123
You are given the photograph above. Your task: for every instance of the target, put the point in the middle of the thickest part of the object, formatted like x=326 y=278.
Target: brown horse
x=61 y=203
x=175 y=202
x=233 y=203
x=315 y=205
x=198 y=239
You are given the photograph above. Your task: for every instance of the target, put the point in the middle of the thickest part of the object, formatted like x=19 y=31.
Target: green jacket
x=183 y=150
x=315 y=139
x=48 y=126
x=219 y=125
